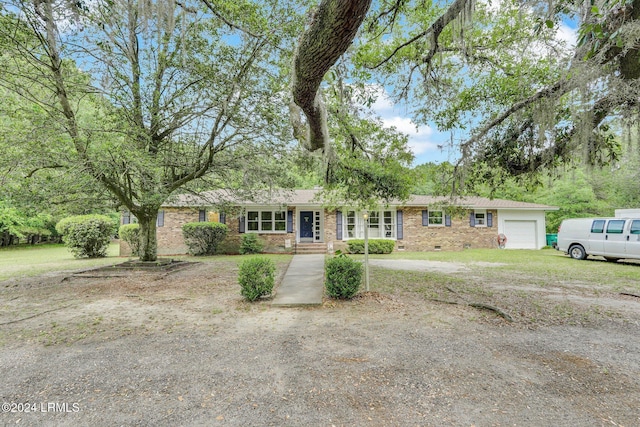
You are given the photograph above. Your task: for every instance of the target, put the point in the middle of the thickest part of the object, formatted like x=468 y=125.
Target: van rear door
x=615 y=238
x=633 y=239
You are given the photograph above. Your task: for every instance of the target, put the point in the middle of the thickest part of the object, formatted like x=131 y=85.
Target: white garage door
x=520 y=234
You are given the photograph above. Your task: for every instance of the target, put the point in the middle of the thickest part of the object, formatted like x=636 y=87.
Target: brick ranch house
x=295 y=221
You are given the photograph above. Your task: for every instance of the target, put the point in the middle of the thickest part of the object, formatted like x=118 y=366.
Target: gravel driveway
x=184 y=349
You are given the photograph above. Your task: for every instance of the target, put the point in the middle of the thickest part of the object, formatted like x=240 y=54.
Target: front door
x=306 y=225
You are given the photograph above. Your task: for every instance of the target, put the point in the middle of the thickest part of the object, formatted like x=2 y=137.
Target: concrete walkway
x=303 y=283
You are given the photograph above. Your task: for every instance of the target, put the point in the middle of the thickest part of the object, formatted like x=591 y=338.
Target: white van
x=612 y=238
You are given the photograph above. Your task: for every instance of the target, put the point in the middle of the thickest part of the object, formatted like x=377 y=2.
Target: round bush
x=203 y=238
x=87 y=235
x=130 y=233
x=343 y=277
x=251 y=244
x=256 y=277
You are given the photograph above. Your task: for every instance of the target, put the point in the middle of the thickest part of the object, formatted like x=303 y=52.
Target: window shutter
x=126 y=217
x=289 y=221
x=489 y=219
x=160 y=219
x=425 y=218
x=472 y=219
x=338 y=225
x=241 y=224
x=399 y=220
x=223 y=218
x=447 y=220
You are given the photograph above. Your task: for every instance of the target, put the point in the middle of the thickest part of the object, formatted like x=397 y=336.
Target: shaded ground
x=182 y=348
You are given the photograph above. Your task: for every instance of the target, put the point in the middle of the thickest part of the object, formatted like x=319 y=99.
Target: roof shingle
x=311 y=197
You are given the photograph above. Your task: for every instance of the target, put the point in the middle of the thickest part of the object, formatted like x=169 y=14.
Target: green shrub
x=251 y=244
x=376 y=246
x=203 y=238
x=87 y=235
x=343 y=277
x=130 y=233
x=256 y=277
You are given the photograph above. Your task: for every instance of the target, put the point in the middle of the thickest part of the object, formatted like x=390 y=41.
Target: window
x=374 y=220
x=480 y=218
x=267 y=221
x=280 y=221
x=598 y=226
x=252 y=221
x=615 y=226
x=129 y=218
x=436 y=218
x=351 y=225
x=635 y=226
x=382 y=224
x=202 y=215
x=387 y=219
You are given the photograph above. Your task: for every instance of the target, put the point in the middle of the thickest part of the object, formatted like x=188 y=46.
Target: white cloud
x=420 y=137
x=567 y=34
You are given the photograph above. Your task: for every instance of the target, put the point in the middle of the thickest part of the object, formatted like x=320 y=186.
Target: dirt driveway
x=182 y=348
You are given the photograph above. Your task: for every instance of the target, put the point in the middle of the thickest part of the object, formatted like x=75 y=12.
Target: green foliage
x=369 y=162
x=376 y=246
x=87 y=235
x=251 y=244
x=130 y=233
x=16 y=223
x=343 y=277
x=176 y=125
x=256 y=277
x=204 y=238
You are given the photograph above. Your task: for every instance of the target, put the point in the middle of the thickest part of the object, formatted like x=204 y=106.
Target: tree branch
x=559 y=88
x=330 y=33
x=218 y=15
x=433 y=32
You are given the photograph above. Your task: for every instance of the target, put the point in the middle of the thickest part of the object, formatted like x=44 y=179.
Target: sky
x=426 y=142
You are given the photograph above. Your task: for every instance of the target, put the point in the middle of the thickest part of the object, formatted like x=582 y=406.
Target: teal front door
x=306 y=225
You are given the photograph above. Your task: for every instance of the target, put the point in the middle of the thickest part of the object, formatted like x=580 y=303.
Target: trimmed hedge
x=343 y=277
x=130 y=233
x=256 y=277
x=376 y=246
x=87 y=235
x=203 y=238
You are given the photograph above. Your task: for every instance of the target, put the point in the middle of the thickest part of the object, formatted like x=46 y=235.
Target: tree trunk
x=333 y=28
x=148 y=237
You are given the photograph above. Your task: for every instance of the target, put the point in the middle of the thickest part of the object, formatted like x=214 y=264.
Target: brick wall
x=273 y=242
x=170 y=241
x=421 y=238
x=416 y=236
x=459 y=236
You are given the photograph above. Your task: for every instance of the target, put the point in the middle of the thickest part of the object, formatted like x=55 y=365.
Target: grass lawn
x=33 y=260
x=538 y=267
x=541 y=268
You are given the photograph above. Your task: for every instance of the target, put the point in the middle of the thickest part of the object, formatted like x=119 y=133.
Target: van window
x=635 y=226
x=615 y=226
x=598 y=226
